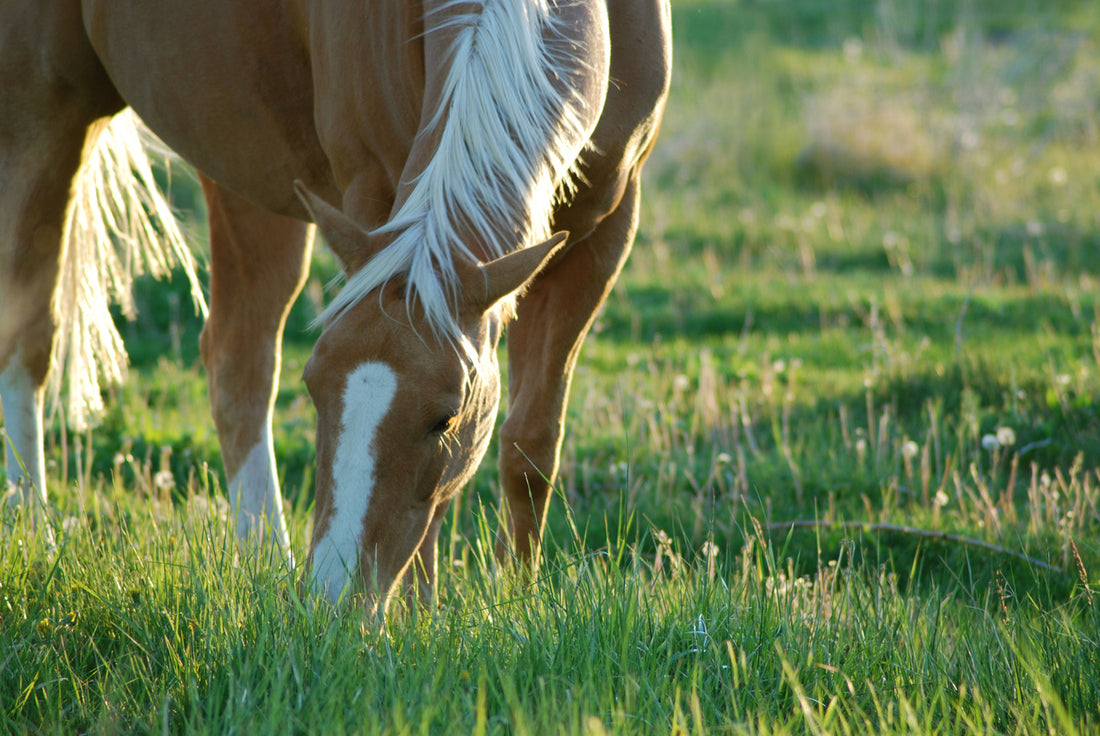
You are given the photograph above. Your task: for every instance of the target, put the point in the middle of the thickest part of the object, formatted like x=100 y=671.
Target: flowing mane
x=510 y=131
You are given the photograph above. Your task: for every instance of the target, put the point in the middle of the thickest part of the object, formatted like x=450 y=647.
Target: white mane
x=510 y=133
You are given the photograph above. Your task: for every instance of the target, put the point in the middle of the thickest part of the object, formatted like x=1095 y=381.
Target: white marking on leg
x=23 y=425
x=254 y=495
x=367 y=397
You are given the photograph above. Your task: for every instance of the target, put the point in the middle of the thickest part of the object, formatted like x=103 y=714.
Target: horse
x=472 y=164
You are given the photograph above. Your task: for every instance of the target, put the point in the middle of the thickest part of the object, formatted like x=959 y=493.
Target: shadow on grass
x=644 y=312
x=705 y=30
x=830 y=480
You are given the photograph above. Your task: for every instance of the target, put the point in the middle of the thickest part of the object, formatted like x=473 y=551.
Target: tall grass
x=155 y=621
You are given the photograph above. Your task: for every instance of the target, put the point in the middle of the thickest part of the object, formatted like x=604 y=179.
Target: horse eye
x=444 y=424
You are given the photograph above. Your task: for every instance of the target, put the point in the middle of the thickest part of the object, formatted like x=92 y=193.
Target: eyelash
x=444 y=424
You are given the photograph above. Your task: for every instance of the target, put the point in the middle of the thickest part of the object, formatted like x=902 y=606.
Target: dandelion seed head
x=164 y=481
x=990 y=443
x=1006 y=436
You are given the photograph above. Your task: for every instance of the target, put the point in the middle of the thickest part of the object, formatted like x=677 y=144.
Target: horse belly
x=226 y=85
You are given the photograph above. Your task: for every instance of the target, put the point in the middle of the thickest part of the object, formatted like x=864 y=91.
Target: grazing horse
x=472 y=164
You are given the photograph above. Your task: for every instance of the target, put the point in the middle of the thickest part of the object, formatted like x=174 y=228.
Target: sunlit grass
x=152 y=619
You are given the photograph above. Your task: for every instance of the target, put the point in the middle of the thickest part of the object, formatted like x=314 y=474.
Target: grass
x=176 y=631
x=858 y=337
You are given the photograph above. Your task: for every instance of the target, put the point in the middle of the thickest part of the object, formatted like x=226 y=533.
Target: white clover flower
x=681 y=382
x=1006 y=436
x=990 y=443
x=909 y=449
x=723 y=458
x=941 y=499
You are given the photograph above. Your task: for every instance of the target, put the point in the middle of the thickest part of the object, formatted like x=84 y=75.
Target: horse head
x=404 y=416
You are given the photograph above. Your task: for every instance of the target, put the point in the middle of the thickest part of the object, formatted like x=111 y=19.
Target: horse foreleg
x=259 y=262
x=543 y=343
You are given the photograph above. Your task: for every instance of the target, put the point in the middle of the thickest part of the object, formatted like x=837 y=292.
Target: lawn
x=832 y=456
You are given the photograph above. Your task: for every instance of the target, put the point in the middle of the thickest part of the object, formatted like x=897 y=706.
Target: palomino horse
x=437 y=145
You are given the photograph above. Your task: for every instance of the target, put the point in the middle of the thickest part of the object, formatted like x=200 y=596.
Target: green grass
x=174 y=630
x=869 y=245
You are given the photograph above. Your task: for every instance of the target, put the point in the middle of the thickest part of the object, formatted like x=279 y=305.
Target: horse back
x=226 y=85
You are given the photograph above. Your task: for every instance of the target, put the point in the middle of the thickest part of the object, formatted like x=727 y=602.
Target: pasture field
x=832 y=457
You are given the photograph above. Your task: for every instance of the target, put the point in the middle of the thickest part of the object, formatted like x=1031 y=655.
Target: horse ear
x=352 y=245
x=515 y=272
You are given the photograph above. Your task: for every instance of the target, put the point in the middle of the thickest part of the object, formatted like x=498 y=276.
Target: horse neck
x=501 y=123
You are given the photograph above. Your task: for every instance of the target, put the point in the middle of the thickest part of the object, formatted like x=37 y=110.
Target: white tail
x=118 y=226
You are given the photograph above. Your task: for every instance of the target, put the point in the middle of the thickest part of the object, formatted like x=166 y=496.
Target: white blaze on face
x=367 y=397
